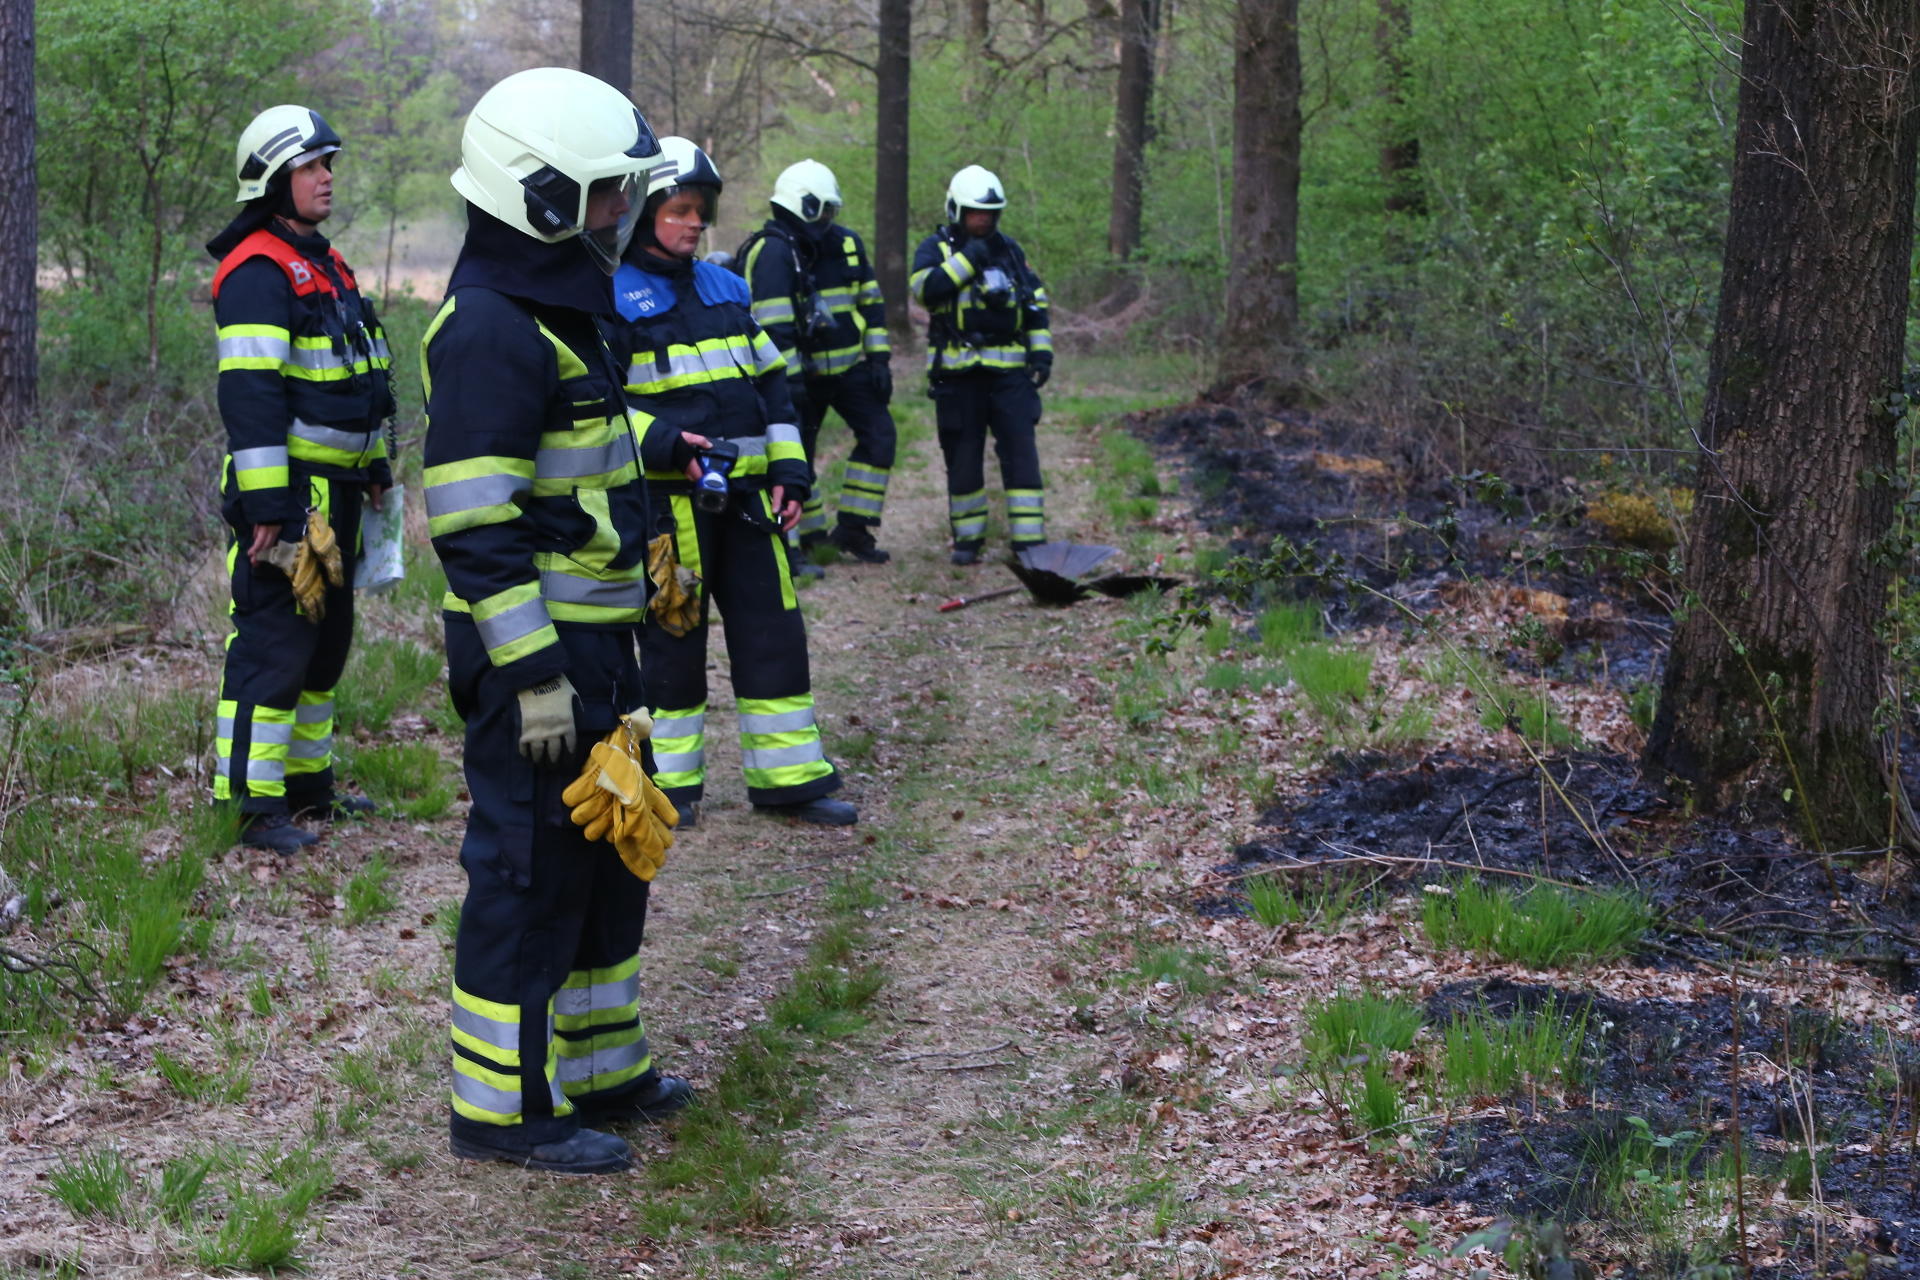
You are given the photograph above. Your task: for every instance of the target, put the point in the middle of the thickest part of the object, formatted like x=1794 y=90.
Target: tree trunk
x=606 y=42
x=979 y=21
x=1133 y=98
x=1777 y=665
x=1258 y=336
x=19 y=221
x=891 y=201
x=1400 y=152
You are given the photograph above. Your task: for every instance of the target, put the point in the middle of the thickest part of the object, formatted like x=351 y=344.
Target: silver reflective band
x=493 y=490
x=501 y=1035
x=778 y=722
x=780 y=757
x=266 y=457
x=512 y=624
x=574 y=1002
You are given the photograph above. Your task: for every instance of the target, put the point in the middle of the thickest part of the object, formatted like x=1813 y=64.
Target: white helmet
x=536 y=144
x=974 y=188
x=280 y=139
x=808 y=191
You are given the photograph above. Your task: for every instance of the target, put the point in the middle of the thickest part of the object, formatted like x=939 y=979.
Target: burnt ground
x=1373 y=523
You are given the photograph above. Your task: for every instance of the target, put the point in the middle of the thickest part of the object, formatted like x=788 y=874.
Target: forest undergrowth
x=1317 y=924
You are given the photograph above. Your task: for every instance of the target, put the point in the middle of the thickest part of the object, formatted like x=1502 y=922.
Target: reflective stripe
x=679 y=724
x=264 y=467
x=672 y=766
x=603 y=1064
x=270 y=733
x=255 y=350
x=482 y=1099
x=861 y=503
x=777 y=721
x=610 y=458
x=316 y=749
x=267 y=769
x=710 y=360
x=953 y=359
x=772 y=311
x=514 y=623
x=1040 y=340
x=314 y=708
x=482 y=1030
x=780 y=757
x=475 y=491
x=966 y=503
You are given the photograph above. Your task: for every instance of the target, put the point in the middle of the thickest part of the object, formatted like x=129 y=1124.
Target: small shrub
x=1639 y=520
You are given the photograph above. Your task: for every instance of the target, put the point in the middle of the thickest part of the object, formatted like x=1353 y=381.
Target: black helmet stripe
x=279 y=142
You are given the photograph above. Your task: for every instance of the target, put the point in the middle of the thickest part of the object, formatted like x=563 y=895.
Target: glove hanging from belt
x=311 y=564
x=676 y=598
x=614 y=800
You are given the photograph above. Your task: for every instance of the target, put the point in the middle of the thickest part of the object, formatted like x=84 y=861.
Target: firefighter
x=537 y=510
x=716 y=388
x=990 y=352
x=815 y=294
x=304 y=396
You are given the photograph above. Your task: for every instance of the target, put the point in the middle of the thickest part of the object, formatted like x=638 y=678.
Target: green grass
x=409 y=779
x=1528 y=714
x=1274 y=899
x=1542 y=928
x=1286 y=627
x=182 y=1180
x=370 y=891
x=1481 y=1054
x=1187 y=969
x=1376 y=1098
x=727 y=1165
x=227 y=1086
x=1344 y=1026
x=94 y=1185
x=1333 y=681
x=383 y=677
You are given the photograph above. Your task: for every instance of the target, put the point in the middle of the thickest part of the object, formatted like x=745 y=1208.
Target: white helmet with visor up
x=541 y=144
x=280 y=140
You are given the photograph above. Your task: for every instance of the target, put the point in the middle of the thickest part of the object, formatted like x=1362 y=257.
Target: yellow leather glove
x=311 y=564
x=676 y=597
x=614 y=800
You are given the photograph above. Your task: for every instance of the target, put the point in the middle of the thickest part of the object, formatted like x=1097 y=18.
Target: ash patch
x=1588 y=818
x=1664 y=1068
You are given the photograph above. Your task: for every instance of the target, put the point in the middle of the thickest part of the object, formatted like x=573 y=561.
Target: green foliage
x=1482 y=1054
x=147 y=99
x=1547 y=926
x=227 y=1086
x=1377 y=1099
x=1334 y=681
x=182 y=1179
x=1286 y=627
x=95 y=1185
x=1176 y=966
x=382 y=677
x=370 y=891
x=410 y=779
x=1345 y=1026
x=1323 y=901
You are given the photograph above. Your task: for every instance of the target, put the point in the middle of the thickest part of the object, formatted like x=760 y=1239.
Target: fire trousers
x=863 y=493
x=546 y=965
x=743 y=571
x=967 y=407
x=273 y=740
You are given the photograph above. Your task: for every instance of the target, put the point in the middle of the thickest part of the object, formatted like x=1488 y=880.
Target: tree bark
x=1777 y=666
x=1400 y=152
x=890 y=195
x=606 y=42
x=979 y=22
x=1133 y=100
x=1258 y=337
x=19 y=221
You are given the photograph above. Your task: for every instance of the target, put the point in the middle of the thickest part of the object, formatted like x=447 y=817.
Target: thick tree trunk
x=1133 y=99
x=1400 y=152
x=979 y=22
x=19 y=221
x=606 y=42
x=1258 y=337
x=1777 y=665
x=891 y=201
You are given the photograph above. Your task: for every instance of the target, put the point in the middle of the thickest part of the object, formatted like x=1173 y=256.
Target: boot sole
x=526 y=1160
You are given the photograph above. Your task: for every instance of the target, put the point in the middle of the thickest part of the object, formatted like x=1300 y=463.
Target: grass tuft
x=1486 y=1055
x=410 y=779
x=1345 y=1026
x=93 y=1186
x=1542 y=928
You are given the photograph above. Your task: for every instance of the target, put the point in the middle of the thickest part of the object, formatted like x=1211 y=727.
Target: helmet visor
x=613 y=211
x=690 y=206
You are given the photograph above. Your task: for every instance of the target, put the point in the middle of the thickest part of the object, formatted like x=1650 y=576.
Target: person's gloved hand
x=284 y=556
x=976 y=252
x=881 y=367
x=548 y=731
x=1039 y=368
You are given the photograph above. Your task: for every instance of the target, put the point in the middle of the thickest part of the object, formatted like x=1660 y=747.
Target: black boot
x=856 y=540
x=337 y=806
x=275 y=832
x=964 y=555
x=823 y=811
x=689 y=811
x=653 y=1099
x=799 y=566
x=587 y=1151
